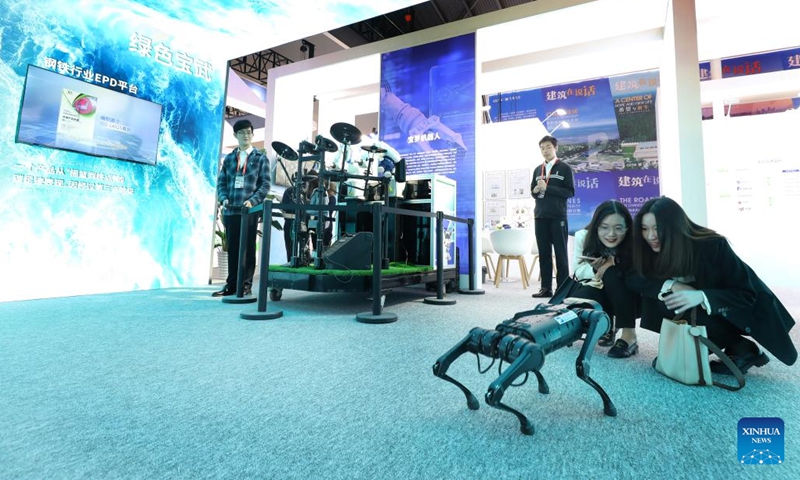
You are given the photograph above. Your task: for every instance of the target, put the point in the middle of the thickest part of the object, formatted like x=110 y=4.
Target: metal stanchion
x=439 y=300
x=377 y=316
x=471 y=261
x=263 y=271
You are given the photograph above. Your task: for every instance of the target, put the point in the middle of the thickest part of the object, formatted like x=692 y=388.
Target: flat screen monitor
x=69 y=114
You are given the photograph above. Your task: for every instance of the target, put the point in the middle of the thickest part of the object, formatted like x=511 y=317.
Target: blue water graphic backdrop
x=155 y=228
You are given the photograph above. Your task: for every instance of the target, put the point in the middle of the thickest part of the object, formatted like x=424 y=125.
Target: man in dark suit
x=552 y=184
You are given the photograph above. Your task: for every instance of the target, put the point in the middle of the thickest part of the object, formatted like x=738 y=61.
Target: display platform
x=354 y=281
x=371 y=254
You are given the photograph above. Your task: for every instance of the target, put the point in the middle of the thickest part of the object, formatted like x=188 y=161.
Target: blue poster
x=516 y=105
x=427 y=113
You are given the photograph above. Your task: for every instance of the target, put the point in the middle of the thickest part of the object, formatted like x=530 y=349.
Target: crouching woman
x=679 y=265
x=602 y=259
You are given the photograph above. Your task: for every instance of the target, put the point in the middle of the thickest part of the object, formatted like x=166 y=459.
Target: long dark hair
x=593 y=247
x=676 y=234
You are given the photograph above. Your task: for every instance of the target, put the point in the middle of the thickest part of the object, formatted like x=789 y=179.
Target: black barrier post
x=440 y=300
x=376 y=316
x=244 y=220
x=263 y=270
x=471 y=260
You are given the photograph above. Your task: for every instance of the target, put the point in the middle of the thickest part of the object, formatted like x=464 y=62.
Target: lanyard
x=547 y=177
x=238 y=160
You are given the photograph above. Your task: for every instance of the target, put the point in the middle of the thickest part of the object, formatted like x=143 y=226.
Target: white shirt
x=243 y=154
x=549 y=166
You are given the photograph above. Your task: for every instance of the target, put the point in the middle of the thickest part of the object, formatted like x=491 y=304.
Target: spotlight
x=559 y=111
x=564 y=124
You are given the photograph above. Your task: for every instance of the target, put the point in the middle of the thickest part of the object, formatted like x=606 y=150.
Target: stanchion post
x=471 y=260
x=377 y=315
x=377 y=257
x=439 y=255
x=440 y=300
x=263 y=270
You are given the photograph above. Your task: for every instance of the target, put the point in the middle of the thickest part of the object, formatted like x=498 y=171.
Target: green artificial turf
x=395 y=268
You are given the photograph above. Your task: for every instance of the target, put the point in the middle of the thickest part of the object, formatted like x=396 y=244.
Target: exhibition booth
x=467 y=101
x=626 y=102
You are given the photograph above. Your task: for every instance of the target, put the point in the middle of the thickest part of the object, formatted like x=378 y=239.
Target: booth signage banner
x=705 y=71
x=754 y=64
x=761 y=63
x=609 y=140
x=427 y=113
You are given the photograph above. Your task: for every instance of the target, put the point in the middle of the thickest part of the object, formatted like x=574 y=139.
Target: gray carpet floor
x=173 y=384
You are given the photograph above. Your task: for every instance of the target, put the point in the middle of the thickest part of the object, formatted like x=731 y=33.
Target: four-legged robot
x=523 y=342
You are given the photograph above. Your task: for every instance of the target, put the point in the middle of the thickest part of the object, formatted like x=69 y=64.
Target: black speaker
x=400 y=171
x=350 y=253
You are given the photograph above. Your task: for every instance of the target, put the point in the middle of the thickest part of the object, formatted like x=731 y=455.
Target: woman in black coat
x=679 y=265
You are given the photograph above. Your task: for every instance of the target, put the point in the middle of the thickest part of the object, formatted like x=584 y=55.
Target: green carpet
x=394 y=269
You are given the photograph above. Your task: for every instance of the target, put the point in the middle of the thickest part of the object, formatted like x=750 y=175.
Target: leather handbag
x=683 y=350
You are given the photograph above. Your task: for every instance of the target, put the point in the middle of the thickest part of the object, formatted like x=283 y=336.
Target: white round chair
x=511 y=244
x=488 y=251
x=535 y=261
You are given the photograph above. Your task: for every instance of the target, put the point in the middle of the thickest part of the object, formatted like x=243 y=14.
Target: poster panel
x=494 y=185
x=609 y=138
x=427 y=113
x=493 y=212
x=519 y=183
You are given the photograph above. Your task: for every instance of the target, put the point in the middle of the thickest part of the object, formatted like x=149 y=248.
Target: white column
x=679 y=115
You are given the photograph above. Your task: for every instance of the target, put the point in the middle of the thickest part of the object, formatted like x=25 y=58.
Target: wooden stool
x=511 y=244
x=523 y=269
x=533 y=266
x=490 y=268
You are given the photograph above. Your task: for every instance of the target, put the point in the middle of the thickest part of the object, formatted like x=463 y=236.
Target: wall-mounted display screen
x=66 y=113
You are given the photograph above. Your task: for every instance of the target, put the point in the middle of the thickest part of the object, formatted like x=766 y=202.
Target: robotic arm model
x=413 y=122
x=388 y=159
x=523 y=342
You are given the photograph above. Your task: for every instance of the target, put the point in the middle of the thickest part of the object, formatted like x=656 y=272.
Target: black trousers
x=327 y=237
x=615 y=298
x=233 y=228
x=551 y=235
x=288 y=231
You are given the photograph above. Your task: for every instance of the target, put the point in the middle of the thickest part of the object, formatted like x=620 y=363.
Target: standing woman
x=680 y=265
x=602 y=259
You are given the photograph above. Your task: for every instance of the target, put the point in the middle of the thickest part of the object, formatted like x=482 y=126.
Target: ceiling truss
x=425 y=15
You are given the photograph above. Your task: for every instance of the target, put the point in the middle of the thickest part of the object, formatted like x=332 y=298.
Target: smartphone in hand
x=588 y=259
